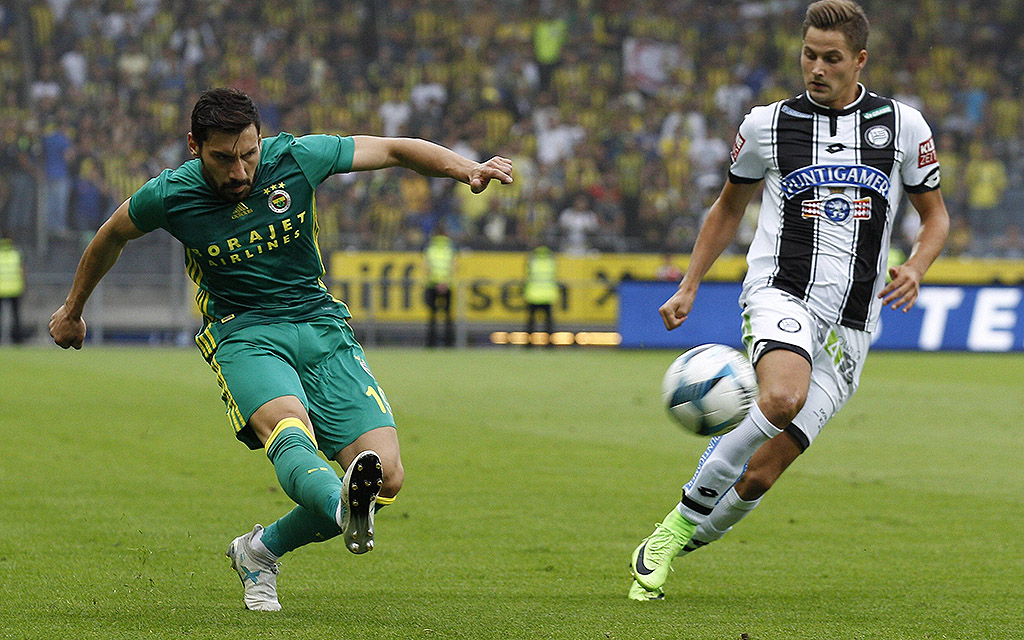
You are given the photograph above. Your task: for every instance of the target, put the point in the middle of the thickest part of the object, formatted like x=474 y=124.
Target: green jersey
x=254 y=261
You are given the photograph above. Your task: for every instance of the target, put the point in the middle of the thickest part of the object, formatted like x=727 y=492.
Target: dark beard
x=222 y=190
x=231 y=196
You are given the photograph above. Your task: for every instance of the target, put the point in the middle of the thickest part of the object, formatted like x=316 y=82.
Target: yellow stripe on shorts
x=234 y=415
x=205 y=342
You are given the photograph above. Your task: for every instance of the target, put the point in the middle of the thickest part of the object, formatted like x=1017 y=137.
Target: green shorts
x=318 y=361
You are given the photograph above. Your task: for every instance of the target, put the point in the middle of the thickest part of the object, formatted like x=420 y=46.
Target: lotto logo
x=736 y=146
x=926 y=153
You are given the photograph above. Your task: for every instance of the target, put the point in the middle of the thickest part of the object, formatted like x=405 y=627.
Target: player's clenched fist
x=676 y=308
x=65 y=330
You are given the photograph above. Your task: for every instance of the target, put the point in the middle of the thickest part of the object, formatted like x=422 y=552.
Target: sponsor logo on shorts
x=790 y=325
x=878 y=136
x=926 y=153
x=844 y=361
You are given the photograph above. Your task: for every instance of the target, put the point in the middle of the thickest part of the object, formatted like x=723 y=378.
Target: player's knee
x=780 y=406
x=394 y=476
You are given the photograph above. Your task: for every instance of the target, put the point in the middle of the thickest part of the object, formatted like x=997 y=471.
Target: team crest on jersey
x=279 y=200
x=837 y=208
x=878 y=136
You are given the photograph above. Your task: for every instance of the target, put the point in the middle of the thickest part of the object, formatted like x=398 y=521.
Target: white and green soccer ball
x=709 y=389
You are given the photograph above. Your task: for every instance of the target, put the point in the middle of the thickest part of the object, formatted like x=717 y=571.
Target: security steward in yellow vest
x=540 y=290
x=12 y=286
x=440 y=258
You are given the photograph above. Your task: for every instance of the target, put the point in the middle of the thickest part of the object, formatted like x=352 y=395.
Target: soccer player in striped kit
x=835 y=162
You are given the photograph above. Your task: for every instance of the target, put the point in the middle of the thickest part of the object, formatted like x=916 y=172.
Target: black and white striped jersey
x=833 y=180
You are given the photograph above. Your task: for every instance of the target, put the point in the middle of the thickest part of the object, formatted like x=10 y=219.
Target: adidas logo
x=240 y=210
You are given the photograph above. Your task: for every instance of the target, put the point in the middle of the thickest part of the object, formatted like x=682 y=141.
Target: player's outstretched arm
x=903 y=289
x=67 y=328
x=428 y=159
x=716 y=233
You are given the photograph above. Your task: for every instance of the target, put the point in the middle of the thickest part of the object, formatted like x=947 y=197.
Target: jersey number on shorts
x=378 y=395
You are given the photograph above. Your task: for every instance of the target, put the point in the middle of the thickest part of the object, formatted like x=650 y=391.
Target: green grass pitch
x=531 y=476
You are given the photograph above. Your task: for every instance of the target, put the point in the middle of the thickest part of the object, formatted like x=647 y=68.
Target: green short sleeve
x=320 y=155
x=146 y=207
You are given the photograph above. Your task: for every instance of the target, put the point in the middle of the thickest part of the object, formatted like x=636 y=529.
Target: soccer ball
x=709 y=389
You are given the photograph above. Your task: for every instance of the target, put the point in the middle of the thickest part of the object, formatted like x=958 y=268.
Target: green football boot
x=636 y=592
x=652 y=560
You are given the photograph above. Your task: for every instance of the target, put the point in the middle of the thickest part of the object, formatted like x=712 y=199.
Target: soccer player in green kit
x=292 y=376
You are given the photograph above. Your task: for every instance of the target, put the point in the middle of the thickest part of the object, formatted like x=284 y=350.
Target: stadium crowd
x=619 y=115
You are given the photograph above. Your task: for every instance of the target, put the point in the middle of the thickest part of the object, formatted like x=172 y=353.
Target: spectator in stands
x=986 y=182
x=960 y=240
x=17 y=182
x=1009 y=245
x=57 y=151
x=91 y=201
x=733 y=99
x=549 y=37
x=578 y=224
x=551 y=75
x=557 y=140
x=46 y=89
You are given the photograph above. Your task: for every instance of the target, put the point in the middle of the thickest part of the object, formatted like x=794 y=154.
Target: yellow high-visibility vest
x=440 y=260
x=541 y=286
x=12 y=281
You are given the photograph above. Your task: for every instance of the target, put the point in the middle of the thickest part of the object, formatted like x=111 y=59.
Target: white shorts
x=774 y=319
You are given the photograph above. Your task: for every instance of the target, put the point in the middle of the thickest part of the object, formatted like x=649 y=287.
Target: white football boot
x=359 y=488
x=258 y=575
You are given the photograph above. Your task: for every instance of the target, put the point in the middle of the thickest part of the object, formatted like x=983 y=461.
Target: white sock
x=729 y=510
x=256 y=542
x=723 y=465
